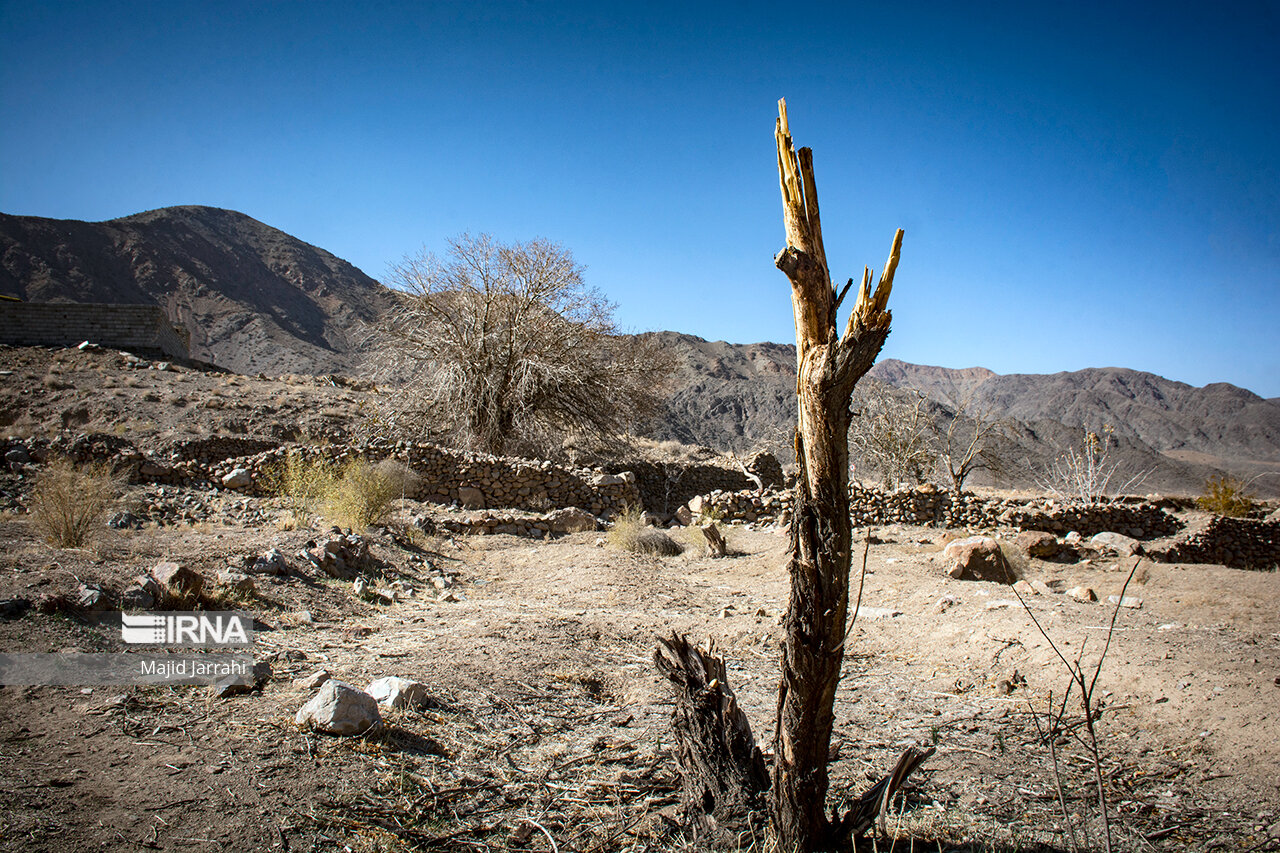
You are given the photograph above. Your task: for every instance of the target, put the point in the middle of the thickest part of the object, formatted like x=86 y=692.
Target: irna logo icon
x=187 y=629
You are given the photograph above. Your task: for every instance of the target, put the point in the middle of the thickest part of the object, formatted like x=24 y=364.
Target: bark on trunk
x=829 y=365
x=723 y=772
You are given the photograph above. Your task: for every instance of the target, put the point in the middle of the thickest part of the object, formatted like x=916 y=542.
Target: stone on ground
x=977 y=558
x=339 y=709
x=396 y=692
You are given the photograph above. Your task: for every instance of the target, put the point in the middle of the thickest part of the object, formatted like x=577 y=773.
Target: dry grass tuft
x=630 y=533
x=68 y=501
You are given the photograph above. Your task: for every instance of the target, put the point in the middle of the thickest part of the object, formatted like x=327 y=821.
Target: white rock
x=339 y=709
x=1116 y=542
x=239 y=478
x=396 y=692
x=1129 y=601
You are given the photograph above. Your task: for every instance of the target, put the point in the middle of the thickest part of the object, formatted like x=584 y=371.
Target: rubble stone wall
x=1241 y=543
x=876 y=506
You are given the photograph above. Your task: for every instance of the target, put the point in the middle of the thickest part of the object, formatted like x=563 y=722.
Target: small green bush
x=68 y=501
x=1225 y=495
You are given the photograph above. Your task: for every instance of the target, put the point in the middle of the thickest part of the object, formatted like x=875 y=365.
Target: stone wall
x=874 y=506
x=1241 y=543
x=666 y=487
x=142 y=327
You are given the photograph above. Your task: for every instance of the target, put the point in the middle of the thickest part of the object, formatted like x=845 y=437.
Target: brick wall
x=143 y=327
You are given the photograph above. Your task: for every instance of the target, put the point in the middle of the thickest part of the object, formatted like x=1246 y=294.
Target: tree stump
x=716 y=546
x=723 y=772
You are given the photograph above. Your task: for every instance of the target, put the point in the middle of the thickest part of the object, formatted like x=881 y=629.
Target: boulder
x=177 y=579
x=683 y=516
x=339 y=709
x=239 y=478
x=471 y=497
x=977 y=558
x=268 y=563
x=1082 y=593
x=1037 y=543
x=570 y=520
x=396 y=692
x=1116 y=543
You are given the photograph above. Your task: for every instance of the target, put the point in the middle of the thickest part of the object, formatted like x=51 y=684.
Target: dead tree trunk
x=723 y=772
x=829 y=364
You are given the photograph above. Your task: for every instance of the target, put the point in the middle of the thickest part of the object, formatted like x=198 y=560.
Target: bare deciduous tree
x=505 y=341
x=891 y=434
x=963 y=445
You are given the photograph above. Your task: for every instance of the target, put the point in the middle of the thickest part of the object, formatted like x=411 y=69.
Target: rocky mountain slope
x=254 y=298
x=741 y=395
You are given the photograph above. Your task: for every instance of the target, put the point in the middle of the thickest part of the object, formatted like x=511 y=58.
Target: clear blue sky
x=1081 y=185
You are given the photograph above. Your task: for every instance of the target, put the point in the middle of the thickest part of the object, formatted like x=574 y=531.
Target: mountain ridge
x=254 y=298
x=257 y=300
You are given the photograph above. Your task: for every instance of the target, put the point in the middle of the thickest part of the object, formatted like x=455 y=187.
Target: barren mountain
x=740 y=395
x=253 y=298
x=257 y=300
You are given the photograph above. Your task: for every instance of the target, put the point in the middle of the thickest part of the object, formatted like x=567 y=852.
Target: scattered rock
x=1116 y=543
x=683 y=516
x=570 y=520
x=92 y=598
x=1037 y=543
x=239 y=478
x=18 y=454
x=1082 y=593
x=1129 y=601
x=1072 y=538
x=313 y=681
x=177 y=579
x=396 y=692
x=1041 y=587
x=339 y=709
x=977 y=558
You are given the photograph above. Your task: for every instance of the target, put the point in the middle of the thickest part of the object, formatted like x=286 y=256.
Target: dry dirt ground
x=550 y=727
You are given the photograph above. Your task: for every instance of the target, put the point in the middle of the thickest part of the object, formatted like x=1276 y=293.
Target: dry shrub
x=1225 y=495
x=68 y=501
x=630 y=533
x=363 y=495
x=304 y=483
